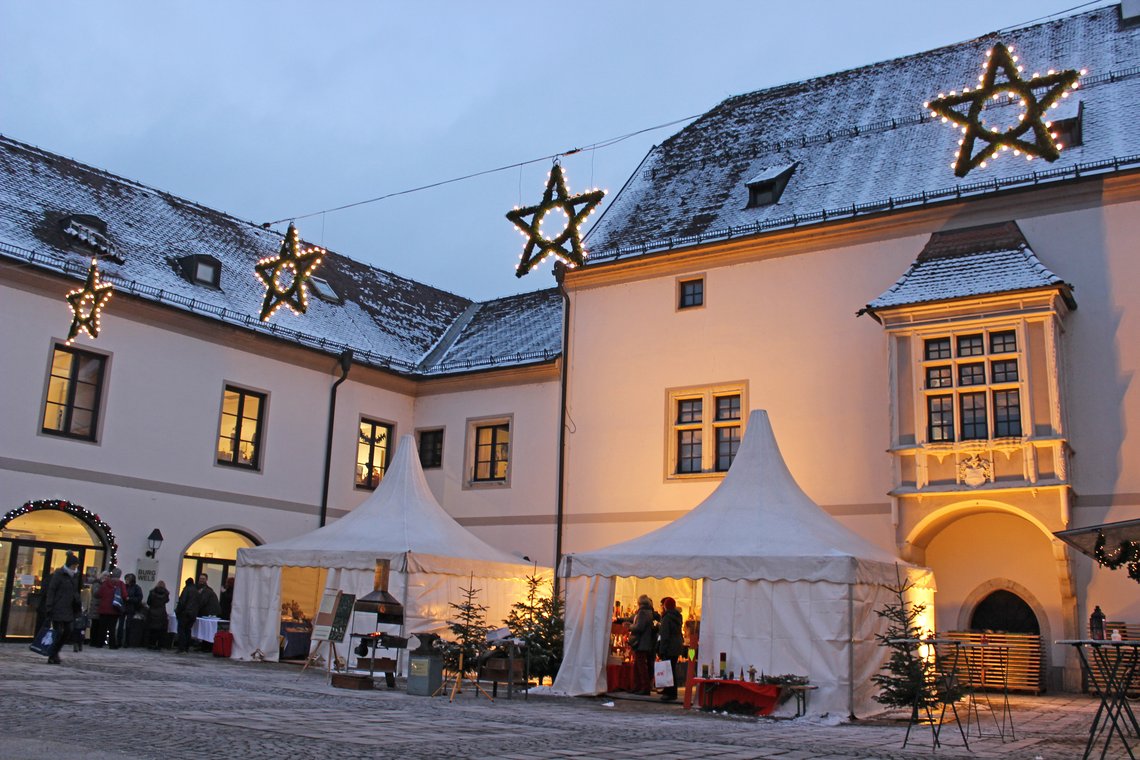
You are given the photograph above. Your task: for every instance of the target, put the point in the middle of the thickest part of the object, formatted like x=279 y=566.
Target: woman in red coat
x=109 y=611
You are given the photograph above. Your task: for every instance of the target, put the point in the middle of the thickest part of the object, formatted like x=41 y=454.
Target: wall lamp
x=154 y=540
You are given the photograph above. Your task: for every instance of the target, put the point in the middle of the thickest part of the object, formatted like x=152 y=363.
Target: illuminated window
x=239 y=431
x=373 y=452
x=984 y=398
x=700 y=415
x=74 y=391
x=690 y=292
x=492 y=452
x=431 y=448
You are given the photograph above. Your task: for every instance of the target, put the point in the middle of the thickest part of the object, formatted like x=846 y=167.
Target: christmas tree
x=470 y=629
x=539 y=621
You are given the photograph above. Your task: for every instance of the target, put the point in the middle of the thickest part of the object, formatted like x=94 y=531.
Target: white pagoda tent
x=431 y=558
x=786 y=587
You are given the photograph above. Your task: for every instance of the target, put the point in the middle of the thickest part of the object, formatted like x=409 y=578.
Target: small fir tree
x=907 y=679
x=470 y=629
x=540 y=622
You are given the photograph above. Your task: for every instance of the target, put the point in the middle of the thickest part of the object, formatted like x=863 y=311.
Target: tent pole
x=851 y=651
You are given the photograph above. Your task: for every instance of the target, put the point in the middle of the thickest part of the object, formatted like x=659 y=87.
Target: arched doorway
x=214 y=554
x=1006 y=612
x=34 y=540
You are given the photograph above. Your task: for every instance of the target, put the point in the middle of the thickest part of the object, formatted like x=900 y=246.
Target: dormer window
x=324 y=290
x=89 y=233
x=202 y=269
x=1065 y=122
x=768 y=185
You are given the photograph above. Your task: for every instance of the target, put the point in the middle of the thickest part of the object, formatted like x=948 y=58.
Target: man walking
x=61 y=604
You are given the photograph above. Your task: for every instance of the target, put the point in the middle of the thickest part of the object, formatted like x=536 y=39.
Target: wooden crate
x=352 y=681
x=1018 y=668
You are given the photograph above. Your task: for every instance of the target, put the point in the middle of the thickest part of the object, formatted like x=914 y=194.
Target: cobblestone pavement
x=130 y=703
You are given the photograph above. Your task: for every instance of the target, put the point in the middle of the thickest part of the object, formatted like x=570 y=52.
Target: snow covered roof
x=864 y=144
x=389 y=321
x=976 y=261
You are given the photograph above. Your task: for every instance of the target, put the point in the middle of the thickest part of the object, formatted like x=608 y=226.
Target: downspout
x=345 y=362
x=559 y=514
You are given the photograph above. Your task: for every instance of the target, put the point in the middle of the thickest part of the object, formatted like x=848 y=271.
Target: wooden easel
x=459 y=678
x=334 y=660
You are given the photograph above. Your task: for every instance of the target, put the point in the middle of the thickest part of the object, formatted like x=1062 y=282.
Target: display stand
x=1109 y=667
x=460 y=677
x=329 y=627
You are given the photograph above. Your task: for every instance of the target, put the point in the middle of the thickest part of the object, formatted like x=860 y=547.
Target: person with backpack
x=112 y=605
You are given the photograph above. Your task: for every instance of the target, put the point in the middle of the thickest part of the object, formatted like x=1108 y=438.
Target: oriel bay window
x=972 y=386
x=74 y=393
x=373 y=452
x=239 y=431
x=705 y=415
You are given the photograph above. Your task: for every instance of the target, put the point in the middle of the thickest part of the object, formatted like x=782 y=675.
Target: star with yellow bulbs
x=87 y=302
x=575 y=207
x=1031 y=121
x=286 y=275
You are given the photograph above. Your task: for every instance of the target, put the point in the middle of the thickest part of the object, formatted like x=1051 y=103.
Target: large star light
x=556 y=198
x=1010 y=88
x=87 y=302
x=286 y=275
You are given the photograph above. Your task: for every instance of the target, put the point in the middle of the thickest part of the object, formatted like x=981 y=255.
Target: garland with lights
x=90 y=518
x=973 y=125
x=87 y=303
x=293 y=260
x=1128 y=553
x=556 y=197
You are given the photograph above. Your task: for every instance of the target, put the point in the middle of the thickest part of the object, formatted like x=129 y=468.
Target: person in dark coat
x=187 y=612
x=226 y=598
x=208 y=604
x=670 y=642
x=643 y=641
x=60 y=605
x=133 y=602
x=157 y=620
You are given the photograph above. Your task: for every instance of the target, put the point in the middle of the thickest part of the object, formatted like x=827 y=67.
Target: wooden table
x=1116 y=662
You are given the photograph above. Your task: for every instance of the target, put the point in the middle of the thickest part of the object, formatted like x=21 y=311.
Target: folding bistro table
x=1116 y=662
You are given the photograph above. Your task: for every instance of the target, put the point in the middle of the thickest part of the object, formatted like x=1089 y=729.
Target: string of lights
x=593 y=147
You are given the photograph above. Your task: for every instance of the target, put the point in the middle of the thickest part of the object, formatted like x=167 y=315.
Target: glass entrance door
x=28 y=566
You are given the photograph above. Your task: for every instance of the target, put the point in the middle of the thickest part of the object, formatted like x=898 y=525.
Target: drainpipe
x=560 y=274
x=345 y=362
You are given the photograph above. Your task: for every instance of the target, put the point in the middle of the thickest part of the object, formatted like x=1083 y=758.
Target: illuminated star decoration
x=87 y=302
x=556 y=197
x=286 y=275
x=1013 y=88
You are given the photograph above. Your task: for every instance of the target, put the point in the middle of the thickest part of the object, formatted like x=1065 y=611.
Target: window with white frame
x=705 y=428
x=488 y=452
x=972 y=386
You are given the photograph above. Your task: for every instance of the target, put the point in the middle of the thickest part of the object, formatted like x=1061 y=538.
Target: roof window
x=202 y=269
x=768 y=185
x=90 y=233
x=324 y=290
x=1064 y=121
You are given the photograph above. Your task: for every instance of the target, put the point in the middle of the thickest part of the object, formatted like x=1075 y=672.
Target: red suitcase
x=223 y=644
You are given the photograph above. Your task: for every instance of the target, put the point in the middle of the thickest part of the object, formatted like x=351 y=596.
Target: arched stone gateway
x=34 y=540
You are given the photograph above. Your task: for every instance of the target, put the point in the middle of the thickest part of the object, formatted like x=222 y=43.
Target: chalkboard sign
x=341 y=617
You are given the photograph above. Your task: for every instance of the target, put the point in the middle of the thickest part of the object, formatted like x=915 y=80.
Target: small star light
x=556 y=197
x=87 y=302
x=1012 y=88
x=286 y=275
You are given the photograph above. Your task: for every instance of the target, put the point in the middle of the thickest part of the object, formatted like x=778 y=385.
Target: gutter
x=345 y=362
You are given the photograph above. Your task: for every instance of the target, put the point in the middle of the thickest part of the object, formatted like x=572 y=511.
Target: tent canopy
x=757 y=525
x=400 y=521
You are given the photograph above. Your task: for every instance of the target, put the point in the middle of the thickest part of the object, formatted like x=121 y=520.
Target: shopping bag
x=41 y=644
x=663 y=674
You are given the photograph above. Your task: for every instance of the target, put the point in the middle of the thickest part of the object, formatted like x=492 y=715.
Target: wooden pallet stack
x=1012 y=660
x=1128 y=631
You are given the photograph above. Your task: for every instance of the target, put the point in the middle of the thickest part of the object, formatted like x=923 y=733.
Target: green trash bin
x=425 y=674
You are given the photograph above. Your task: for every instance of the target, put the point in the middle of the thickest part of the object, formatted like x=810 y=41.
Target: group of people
x=655 y=636
x=117 y=613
